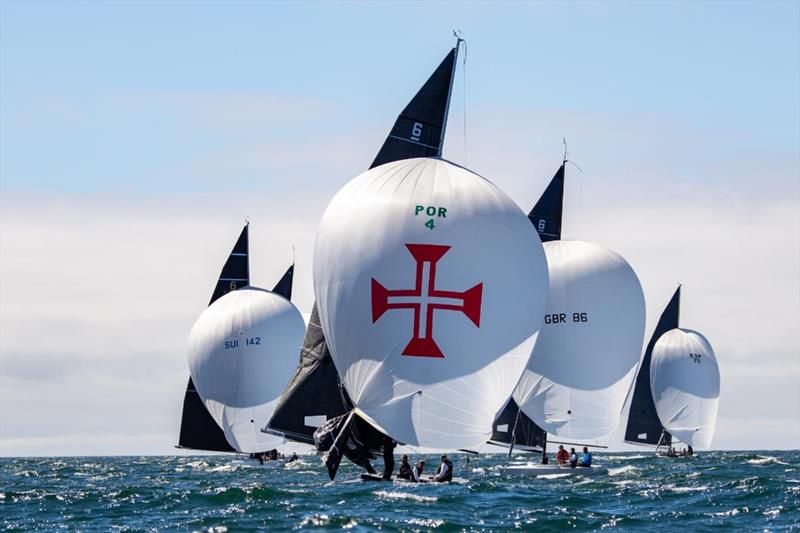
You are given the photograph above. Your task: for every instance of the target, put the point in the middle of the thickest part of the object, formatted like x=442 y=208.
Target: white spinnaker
x=684 y=379
x=242 y=352
x=374 y=272
x=589 y=346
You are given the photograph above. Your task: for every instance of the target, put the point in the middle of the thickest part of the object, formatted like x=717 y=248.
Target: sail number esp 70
x=430 y=212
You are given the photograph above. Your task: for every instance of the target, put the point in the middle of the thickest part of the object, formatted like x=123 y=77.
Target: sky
x=137 y=137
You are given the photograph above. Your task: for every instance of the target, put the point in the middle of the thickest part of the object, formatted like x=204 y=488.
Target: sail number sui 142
x=250 y=341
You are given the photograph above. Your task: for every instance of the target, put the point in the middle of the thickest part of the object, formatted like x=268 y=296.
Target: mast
x=546 y=217
x=315 y=393
x=644 y=426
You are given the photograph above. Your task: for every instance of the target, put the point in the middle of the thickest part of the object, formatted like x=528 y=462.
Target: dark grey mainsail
x=315 y=393
x=644 y=426
x=198 y=430
x=419 y=129
x=236 y=271
x=547 y=213
x=514 y=426
x=284 y=285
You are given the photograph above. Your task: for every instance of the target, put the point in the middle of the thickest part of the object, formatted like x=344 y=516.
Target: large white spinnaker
x=242 y=351
x=684 y=377
x=431 y=286
x=586 y=355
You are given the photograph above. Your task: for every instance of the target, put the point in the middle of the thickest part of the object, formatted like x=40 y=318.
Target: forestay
x=684 y=377
x=586 y=355
x=241 y=353
x=431 y=285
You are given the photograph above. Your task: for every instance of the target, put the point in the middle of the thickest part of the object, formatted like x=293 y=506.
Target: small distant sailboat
x=199 y=430
x=584 y=361
x=677 y=389
x=315 y=393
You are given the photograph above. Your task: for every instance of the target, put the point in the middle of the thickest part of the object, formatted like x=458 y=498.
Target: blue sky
x=135 y=137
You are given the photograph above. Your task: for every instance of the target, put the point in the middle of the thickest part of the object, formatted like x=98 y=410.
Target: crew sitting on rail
x=562 y=457
x=445 y=471
x=405 y=469
x=586 y=460
x=573 y=458
x=417 y=471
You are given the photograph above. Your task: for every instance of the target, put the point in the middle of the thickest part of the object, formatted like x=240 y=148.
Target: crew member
x=417 y=471
x=586 y=460
x=405 y=469
x=562 y=456
x=445 y=471
x=388 y=457
x=573 y=458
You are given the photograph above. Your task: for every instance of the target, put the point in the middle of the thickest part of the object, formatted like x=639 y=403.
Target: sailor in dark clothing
x=573 y=458
x=405 y=469
x=388 y=457
x=292 y=458
x=445 y=471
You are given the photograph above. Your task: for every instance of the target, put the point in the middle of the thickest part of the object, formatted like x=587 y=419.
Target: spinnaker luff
x=431 y=286
x=315 y=393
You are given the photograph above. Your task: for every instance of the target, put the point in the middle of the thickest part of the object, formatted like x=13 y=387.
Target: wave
x=765 y=460
x=621 y=470
x=552 y=476
x=393 y=495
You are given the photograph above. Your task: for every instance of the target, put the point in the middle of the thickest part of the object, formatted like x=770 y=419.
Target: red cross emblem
x=424 y=299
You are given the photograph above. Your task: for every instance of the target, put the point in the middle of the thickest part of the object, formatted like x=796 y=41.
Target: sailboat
x=584 y=361
x=198 y=429
x=430 y=284
x=315 y=394
x=677 y=388
x=513 y=428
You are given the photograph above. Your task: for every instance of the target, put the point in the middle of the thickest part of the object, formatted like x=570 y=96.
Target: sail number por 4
x=430 y=212
x=562 y=318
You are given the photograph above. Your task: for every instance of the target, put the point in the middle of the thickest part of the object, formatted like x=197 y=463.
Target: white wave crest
x=393 y=495
x=552 y=476
x=622 y=470
x=764 y=460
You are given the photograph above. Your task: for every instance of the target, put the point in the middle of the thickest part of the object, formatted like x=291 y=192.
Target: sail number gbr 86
x=561 y=318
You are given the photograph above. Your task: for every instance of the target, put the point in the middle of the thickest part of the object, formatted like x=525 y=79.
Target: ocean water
x=715 y=491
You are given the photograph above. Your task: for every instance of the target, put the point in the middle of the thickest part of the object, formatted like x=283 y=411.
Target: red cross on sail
x=424 y=299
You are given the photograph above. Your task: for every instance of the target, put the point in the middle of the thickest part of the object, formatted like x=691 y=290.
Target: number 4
x=429 y=224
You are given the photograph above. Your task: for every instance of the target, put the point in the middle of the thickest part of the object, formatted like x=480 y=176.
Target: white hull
x=531 y=469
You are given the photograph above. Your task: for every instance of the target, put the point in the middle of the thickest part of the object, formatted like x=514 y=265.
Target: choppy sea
x=714 y=491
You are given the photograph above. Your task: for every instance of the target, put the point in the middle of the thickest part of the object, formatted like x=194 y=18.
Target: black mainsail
x=546 y=215
x=198 y=430
x=644 y=426
x=315 y=393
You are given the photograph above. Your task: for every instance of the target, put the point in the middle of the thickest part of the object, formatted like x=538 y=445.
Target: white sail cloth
x=242 y=352
x=431 y=284
x=586 y=355
x=684 y=378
